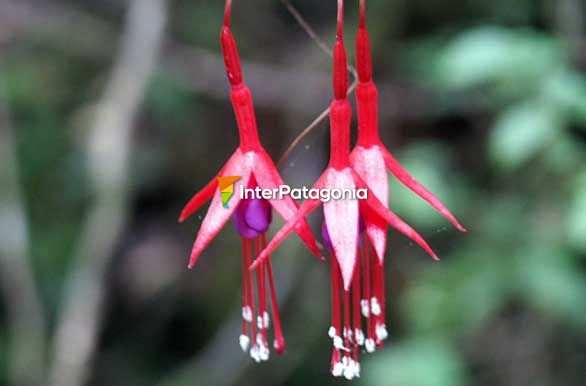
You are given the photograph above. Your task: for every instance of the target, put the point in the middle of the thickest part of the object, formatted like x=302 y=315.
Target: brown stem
x=325 y=48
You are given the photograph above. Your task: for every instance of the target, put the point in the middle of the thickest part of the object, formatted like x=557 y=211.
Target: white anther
x=375 y=306
x=359 y=336
x=332 y=332
x=247 y=314
x=259 y=339
x=255 y=354
x=264 y=353
x=259 y=322
x=349 y=370
x=365 y=308
x=339 y=343
x=350 y=335
x=347 y=332
x=381 y=332
x=370 y=346
x=266 y=319
x=244 y=341
x=337 y=369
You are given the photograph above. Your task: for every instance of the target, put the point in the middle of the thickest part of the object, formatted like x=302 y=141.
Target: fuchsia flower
x=370 y=158
x=251 y=217
x=357 y=274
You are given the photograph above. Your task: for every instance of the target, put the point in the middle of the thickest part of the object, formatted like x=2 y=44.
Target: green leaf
x=458 y=296
x=490 y=54
x=564 y=155
x=566 y=90
x=520 y=133
x=551 y=283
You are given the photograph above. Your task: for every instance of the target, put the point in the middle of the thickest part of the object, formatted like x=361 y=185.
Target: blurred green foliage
x=496 y=128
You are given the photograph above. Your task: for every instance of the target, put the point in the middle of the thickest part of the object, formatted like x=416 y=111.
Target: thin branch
x=196 y=68
x=319 y=119
x=307 y=28
x=326 y=49
x=312 y=34
x=108 y=148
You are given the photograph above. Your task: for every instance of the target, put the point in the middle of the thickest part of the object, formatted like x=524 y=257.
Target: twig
x=307 y=28
x=301 y=136
x=197 y=68
x=312 y=34
x=320 y=118
x=325 y=48
x=108 y=147
x=25 y=317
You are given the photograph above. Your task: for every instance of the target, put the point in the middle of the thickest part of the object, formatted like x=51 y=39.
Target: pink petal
x=374 y=205
x=239 y=165
x=403 y=176
x=199 y=199
x=305 y=209
x=369 y=163
x=342 y=222
x=268 y=177
x=376 y=230
x=205 y=194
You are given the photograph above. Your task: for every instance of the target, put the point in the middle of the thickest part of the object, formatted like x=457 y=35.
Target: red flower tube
x=252 y=217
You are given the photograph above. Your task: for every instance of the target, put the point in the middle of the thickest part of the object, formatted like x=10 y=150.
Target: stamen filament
x=347 y=327
x=245 y=303
x=356 y=309
x=279 y=343
x=335 y=272
x=254 y=349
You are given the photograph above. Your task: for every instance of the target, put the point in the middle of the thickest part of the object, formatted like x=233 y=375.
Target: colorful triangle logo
x=226 y=187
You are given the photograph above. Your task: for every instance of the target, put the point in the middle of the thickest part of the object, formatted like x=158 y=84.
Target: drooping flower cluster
x=356 y=268
x=354 y=231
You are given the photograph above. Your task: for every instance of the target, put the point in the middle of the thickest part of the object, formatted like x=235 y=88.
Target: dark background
x=105 y=134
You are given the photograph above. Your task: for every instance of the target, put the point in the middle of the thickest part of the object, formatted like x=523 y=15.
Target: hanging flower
x=342 y=219
x=370 y=158
x=249 y=167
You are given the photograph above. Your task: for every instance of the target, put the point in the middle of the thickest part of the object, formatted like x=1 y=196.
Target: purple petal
x=258 y=215
x=326 y=238
x=252 y=218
